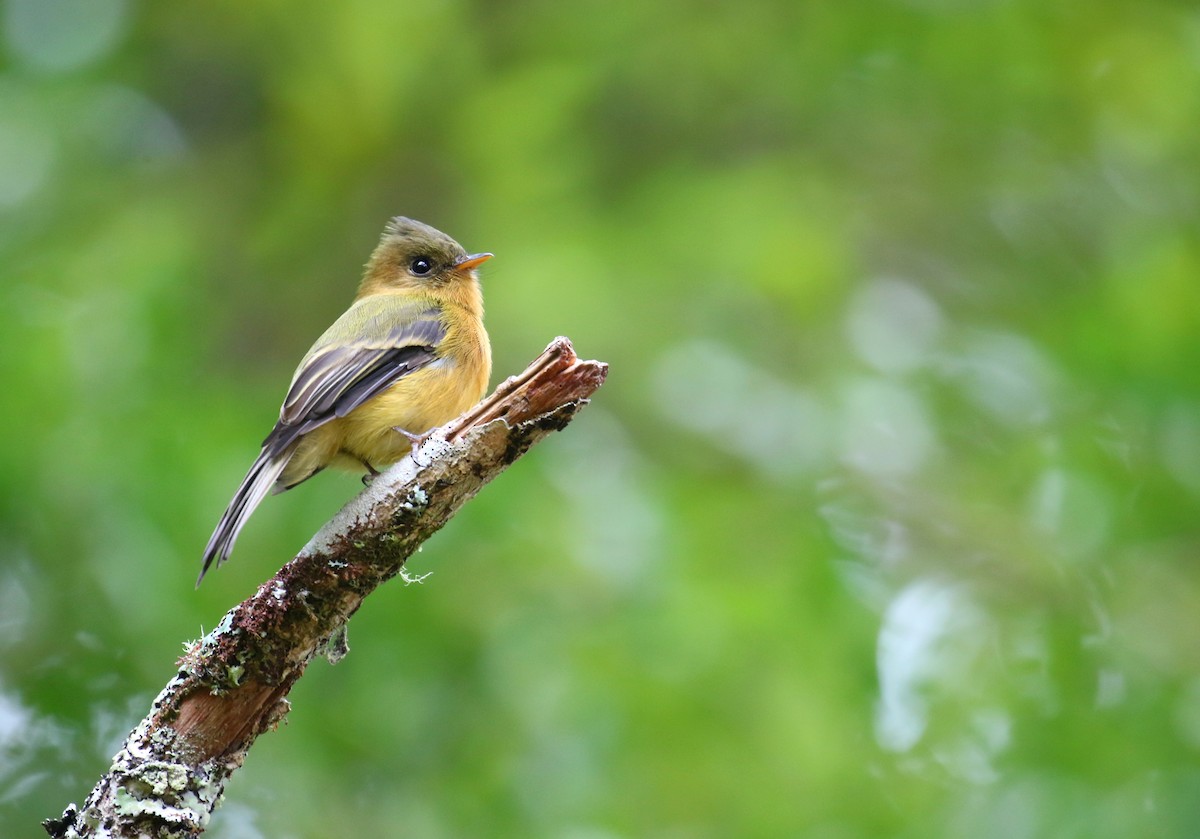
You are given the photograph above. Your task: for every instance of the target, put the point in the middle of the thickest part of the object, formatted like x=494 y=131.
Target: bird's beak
x=471 y=262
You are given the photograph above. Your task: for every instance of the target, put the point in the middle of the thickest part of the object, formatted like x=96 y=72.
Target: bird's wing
x=392 y=339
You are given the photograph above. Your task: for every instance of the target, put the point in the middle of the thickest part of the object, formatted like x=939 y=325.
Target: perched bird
x=409 y=354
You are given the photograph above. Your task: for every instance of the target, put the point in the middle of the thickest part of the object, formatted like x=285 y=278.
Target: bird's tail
x=254 y=487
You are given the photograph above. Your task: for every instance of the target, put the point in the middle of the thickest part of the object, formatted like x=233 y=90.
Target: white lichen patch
x=434 y=447
x=417 y=499
x=222 y=626
x=337 y=645
x=163 y=778
x=169 y=792
x=409 y=579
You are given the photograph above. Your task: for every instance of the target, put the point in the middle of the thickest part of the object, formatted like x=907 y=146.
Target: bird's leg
x=414 y=440
x=372 y=473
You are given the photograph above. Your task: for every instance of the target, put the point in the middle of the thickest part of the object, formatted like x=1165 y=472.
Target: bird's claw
x=372 y=474
x=414 y=440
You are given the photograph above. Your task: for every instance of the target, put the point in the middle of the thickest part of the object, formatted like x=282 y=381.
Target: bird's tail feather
x=253 y=489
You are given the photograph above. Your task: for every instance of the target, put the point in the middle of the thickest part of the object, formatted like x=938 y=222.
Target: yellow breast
x=430 y=397
x=418 y=402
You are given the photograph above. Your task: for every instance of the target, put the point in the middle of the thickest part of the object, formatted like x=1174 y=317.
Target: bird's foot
x=372 y=474
x=414 y=440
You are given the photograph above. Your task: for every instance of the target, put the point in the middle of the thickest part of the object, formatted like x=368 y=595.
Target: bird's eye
x=420 y=266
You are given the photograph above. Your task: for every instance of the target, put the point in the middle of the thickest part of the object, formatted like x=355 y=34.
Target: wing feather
x=394 y=339
x=335 y=378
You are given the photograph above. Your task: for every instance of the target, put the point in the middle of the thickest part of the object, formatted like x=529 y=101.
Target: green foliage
x=883 y=526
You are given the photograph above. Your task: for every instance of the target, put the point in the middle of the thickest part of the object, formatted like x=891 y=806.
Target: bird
x=410 y=354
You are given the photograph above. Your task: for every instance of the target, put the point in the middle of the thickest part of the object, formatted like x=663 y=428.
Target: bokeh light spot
x=64 y=34
x=886 y=430
x=893 y=325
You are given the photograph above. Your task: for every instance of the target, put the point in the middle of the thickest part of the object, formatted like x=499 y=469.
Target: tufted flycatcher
x=409 y=354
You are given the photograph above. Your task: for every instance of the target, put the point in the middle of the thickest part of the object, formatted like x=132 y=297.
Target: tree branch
x=232 y=685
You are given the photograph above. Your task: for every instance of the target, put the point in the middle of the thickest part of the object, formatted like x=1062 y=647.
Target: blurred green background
x=884 y=524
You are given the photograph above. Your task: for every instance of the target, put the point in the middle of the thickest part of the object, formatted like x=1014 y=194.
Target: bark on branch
x=232 y=685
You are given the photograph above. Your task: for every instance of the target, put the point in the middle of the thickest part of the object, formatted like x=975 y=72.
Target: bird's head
x=412 y=256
